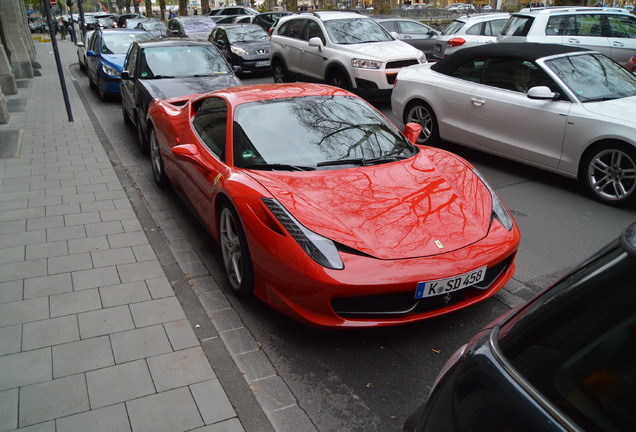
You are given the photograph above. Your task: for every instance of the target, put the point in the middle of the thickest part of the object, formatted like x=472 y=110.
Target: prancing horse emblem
x=439 y=244
x=447 y=298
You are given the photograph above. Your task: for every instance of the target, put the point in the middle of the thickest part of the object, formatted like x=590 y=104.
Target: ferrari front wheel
x=156 y=162
x=235 y=251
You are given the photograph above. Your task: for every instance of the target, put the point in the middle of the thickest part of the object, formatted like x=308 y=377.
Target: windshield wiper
x=361 y=161
x=162 y=76
x=603 y=98
x=278 y=167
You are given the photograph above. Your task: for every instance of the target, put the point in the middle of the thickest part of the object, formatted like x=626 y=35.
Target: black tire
x=156 y=161
x=421 y=113
x=81 y=65
x=91 y=83
x=608 y=173
x=143 y=142
x=279 y=72
x=102 y=94
x=125 y=116
x=237 y=260
x=338 y=79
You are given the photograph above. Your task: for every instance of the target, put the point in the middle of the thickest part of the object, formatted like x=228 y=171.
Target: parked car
x=467 y=31
x=344 y=49
x=106 y=23
x=39 y=26
x=166 y=69
x=197 y=27
x=607 y=30
x=155 y=27
x=562 y=362
x=243 y=45
x=233 y=10
x=461 y=8
x=267 y=19
x=121 y=21
x=563 y=109
x=631 y=64
x=132 y=22
x=412 y=32
x=90 y=22
x=269 y=162
x=105 y=58
x=82 y=46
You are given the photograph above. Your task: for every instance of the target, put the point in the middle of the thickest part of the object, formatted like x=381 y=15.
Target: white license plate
x=443 y=286
x=262 y=63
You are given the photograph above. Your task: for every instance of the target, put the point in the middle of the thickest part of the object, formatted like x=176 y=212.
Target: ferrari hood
x=397 y=210
x=167 y=88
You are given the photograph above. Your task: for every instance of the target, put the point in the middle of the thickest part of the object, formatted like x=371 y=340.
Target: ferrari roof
x=258 y=92
x=525 y=51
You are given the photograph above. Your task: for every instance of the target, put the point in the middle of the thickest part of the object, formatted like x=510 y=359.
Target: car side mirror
x=412 y=132
x=316 y=42
x=90 y=53
x=80 y=44
x=542 y=93
x=125 y=75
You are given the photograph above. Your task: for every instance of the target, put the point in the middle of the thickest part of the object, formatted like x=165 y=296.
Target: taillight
x=455 y=42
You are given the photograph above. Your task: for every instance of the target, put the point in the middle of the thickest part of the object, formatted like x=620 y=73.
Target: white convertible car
x=559 y=108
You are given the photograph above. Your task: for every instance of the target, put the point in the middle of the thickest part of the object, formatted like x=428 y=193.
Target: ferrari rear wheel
x=156 y=161
x=421 y=113
x=236 y=255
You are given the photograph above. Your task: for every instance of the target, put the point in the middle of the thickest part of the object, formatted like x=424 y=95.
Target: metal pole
x=56 y=53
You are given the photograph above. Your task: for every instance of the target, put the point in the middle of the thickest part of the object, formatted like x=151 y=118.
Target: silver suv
x=610 y=31
x=344 y=49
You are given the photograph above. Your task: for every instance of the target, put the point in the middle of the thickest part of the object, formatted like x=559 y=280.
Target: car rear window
x=576 y=344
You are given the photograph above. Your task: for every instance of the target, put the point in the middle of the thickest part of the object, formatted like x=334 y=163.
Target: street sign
x=53 y=2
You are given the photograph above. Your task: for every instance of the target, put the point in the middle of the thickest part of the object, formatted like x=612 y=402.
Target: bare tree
x=149 y=8
x=205 y=7
x=382 y=7
x=162 y=9
x=183 y=7
x=291 y=5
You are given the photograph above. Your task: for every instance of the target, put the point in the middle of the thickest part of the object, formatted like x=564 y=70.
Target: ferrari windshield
x=314 y=132
x=594 y=77
x=355 y=31
x=181 y=61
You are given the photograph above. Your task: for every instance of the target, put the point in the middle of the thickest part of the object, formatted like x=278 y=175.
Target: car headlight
x=499 y=211
x=365 y=64
x=239 y=51
x=319 y=248
x=110 y=71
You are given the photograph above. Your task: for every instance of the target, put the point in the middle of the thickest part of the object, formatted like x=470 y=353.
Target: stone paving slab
x=92 y=334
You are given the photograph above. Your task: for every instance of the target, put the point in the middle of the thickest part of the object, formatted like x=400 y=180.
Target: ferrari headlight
x=499 y=211
x=365 y=64
x=319 y=248
x=110 y=71
x=239 y=51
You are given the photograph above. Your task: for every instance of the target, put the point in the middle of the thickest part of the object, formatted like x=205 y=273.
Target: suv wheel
x=280 y=72
x=338 y=79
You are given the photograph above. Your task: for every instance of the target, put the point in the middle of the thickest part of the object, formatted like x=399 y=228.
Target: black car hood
x=166 y=88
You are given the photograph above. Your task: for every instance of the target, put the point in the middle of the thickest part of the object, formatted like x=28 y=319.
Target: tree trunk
x=183 y=7
x=205 y=7
x=291 y=5
x=149 y=9
x=162 y=10
x=382 y=7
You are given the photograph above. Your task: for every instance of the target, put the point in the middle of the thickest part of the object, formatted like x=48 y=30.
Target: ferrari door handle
x=478 y=101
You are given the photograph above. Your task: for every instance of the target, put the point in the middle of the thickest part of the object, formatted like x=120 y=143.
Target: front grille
x=401 y=304
x=401 y=64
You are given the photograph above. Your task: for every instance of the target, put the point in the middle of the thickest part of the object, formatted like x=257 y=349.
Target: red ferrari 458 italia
x=326 y=211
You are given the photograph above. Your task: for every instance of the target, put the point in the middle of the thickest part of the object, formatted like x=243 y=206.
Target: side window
x=621 y=26
x=293 y=28
x=493 y=28
x=131 y=60
x=470 y=71
x=390 y=26
x=413 y=28
x=507 y=74
x=556 y=26
x=312 y=29
x=210 y=122
x=590 y=25
x=475 y=29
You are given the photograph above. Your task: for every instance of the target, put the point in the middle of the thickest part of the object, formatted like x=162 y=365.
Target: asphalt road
x=371 y=380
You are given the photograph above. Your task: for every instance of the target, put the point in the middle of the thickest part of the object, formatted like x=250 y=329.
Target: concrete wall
x=17 y=37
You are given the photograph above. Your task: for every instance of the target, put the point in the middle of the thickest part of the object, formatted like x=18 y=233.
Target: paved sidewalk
x=92 y=335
